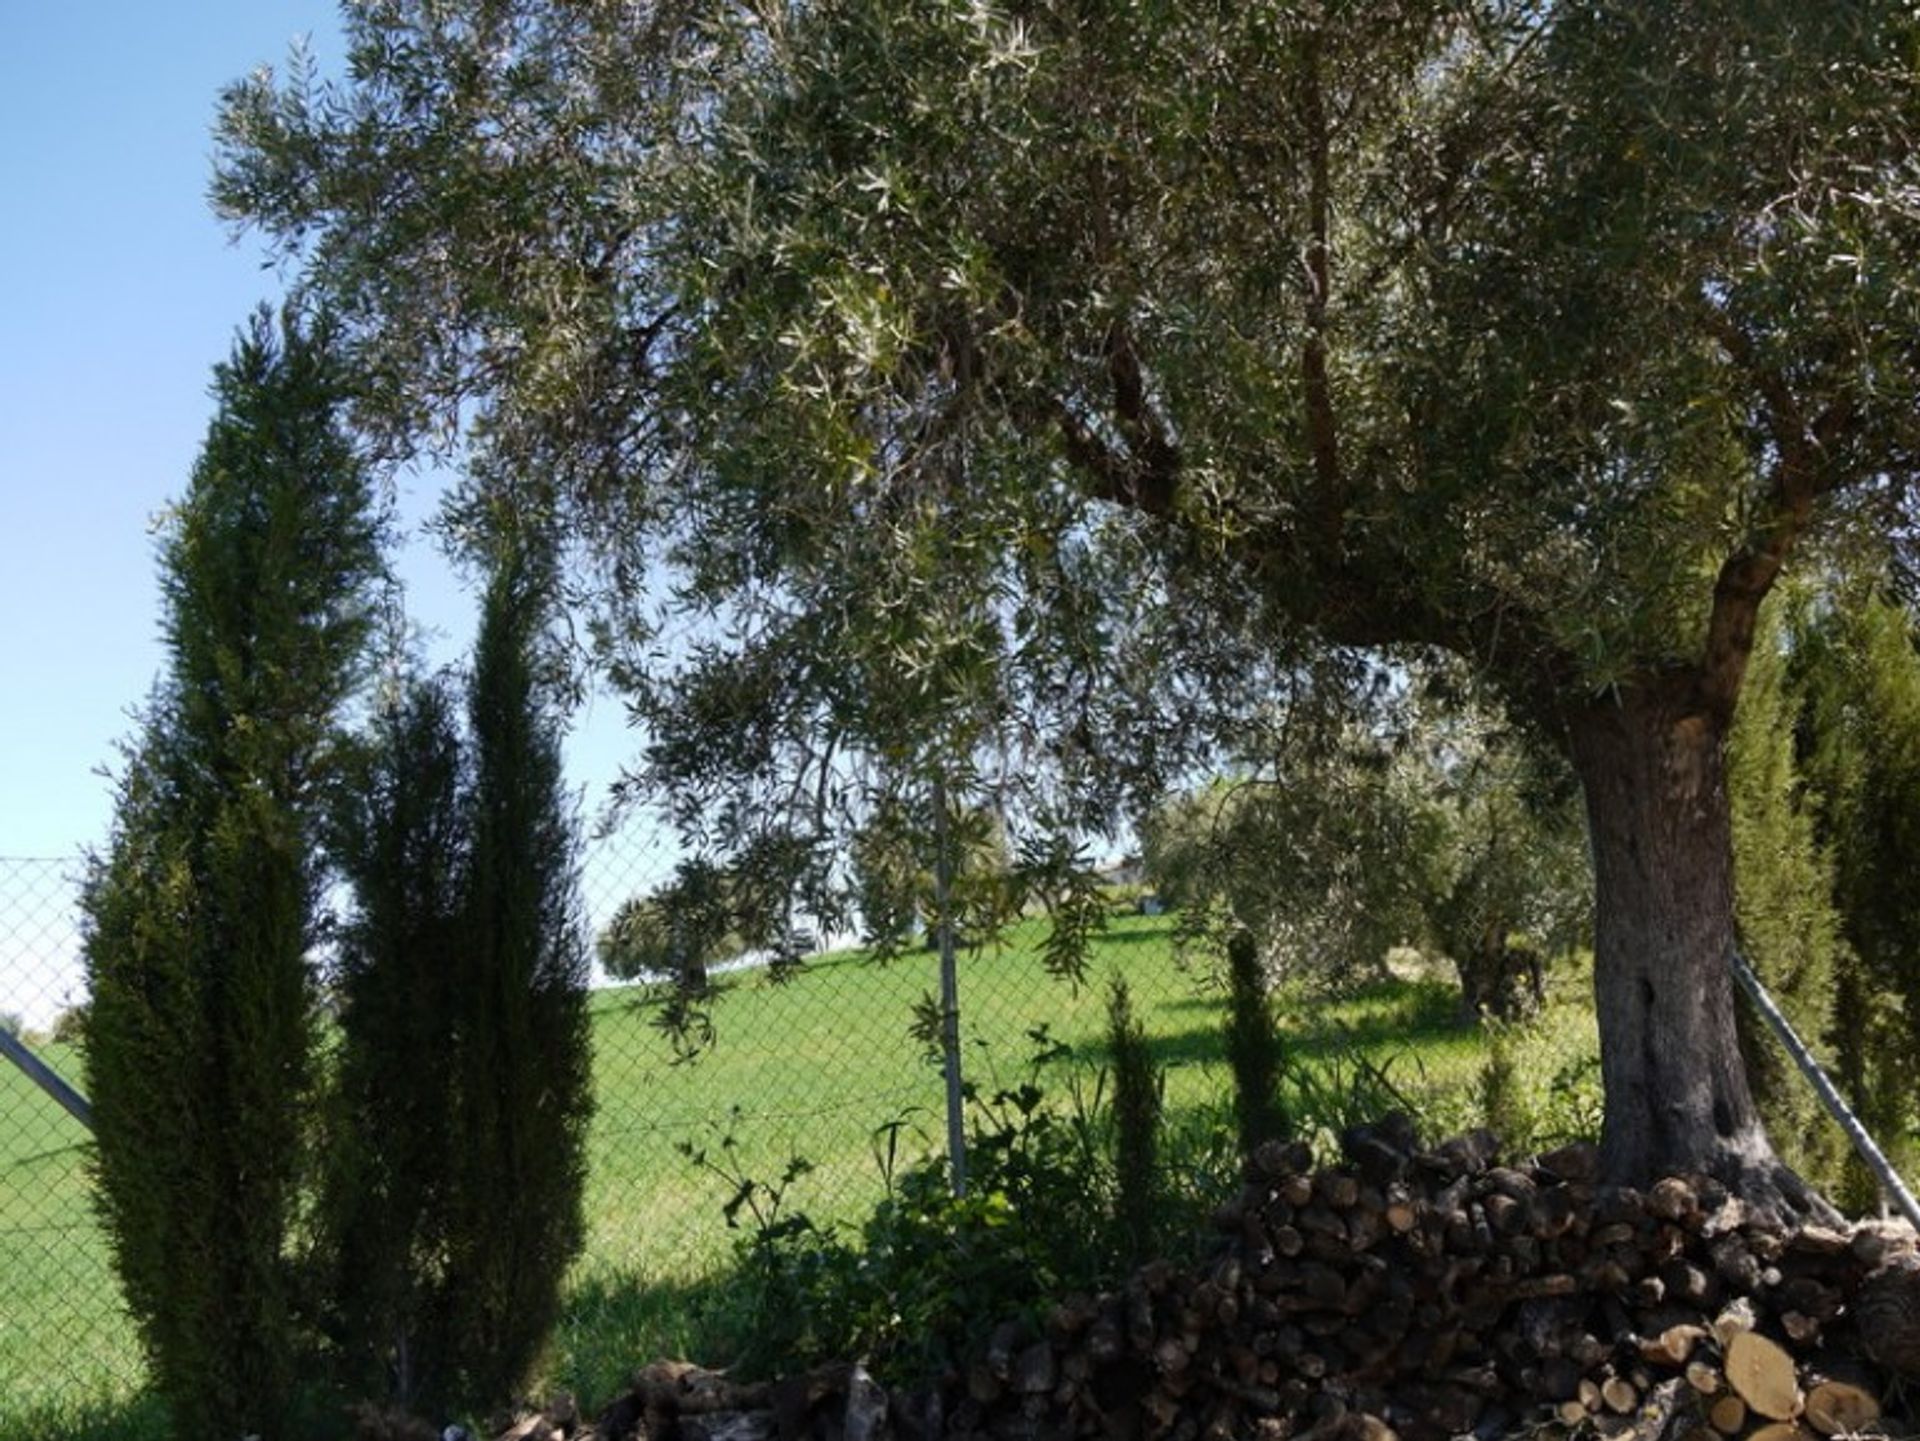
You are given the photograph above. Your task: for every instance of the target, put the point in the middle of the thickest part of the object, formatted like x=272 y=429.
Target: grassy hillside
x=821 y=1066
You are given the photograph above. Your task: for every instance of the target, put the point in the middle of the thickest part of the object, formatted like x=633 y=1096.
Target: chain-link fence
x=823 y=1066
x=63 y=1330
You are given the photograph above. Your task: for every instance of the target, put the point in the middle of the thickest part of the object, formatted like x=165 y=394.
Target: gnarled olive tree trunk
x=1650 y=763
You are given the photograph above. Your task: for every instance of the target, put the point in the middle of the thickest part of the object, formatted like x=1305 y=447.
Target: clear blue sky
x=119 y=290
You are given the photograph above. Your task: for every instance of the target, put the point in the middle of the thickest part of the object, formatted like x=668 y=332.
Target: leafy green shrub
x=1574 y=1104
x=380 y=1260
x=1125 y=898
x=516 y=1134
x=1345 y=1088
x=1788 y=924
x=453 y=1203
x=929 y=1272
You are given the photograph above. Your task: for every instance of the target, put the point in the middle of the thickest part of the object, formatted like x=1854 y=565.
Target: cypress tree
x=521 y=1087
x=404 y=846
x=1136 y=1121
x=200 y=913
x=1784 y=905
x=1856 y=672
x=1253 y=1047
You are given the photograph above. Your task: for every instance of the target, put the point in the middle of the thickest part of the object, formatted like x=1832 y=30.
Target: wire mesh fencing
x=824 y=1076
x=64 y=1332
x=824 y=1082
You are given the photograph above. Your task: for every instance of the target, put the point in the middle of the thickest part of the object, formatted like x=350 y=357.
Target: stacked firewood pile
x=1435 y=1293
x=1411 y=1293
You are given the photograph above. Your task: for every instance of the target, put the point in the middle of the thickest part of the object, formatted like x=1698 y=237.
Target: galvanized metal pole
x=43 y=1076
x=1830 y=1097
x=949 y=988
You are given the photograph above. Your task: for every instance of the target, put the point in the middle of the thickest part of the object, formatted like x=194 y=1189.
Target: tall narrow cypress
x=201 y=911
x=521 y=1084
x=403 y=838
x=1136 y=1122
x=1254 y=1050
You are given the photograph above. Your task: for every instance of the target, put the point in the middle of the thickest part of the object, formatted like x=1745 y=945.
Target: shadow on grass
x=612 y=1324
x=1137 y=935
x=136 y=1418
x=1401 y=1014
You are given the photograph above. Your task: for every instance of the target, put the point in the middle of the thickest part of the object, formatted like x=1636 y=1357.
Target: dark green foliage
x=453 y=1202
x=677 y=931
x=931 y=1274
x=1784 y=905
x=382 y=1256
x=1136 y=1122
x=201 y=912
x=1254 y=1048
x=514 y=1163
x=1503 y=1105
x=1857 y=675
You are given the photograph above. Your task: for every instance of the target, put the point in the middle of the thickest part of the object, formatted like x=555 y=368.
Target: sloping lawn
x=821 y=1066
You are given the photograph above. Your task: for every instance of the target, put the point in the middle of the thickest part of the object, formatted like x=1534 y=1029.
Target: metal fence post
x=43 y=1076
x=949 y=989
x=1823 y=1087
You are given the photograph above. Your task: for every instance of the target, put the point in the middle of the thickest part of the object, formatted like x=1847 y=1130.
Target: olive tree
x=1045 y=384
x=1438 y=826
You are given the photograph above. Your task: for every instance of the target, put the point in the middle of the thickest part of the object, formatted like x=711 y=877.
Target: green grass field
x=821 y=1067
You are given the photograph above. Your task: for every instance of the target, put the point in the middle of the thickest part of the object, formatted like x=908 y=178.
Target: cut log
x=1439 y=1296
x=1673 y=1346
x=1839 y=1408
x=1619 y=1395
x=729 y=1426
x=1887 y=1312
x=1663 y=1413
x=1762 y=1374
x=1672 y=1199
x=1727 y=1415
x=1801 y=1328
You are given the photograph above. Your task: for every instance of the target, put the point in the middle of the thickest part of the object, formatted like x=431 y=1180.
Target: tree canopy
x=1043 y=382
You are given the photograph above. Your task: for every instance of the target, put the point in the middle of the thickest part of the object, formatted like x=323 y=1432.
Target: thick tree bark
x=1650 y=762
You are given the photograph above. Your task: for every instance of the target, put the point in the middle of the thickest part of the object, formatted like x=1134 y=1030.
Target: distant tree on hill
x=1445 y=830
x=676 y=932
x=893 y=859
